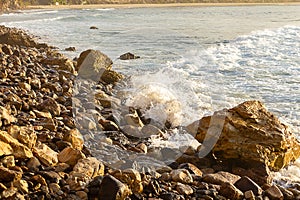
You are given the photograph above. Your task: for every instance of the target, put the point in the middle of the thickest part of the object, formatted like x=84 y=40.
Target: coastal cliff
x=9 y=5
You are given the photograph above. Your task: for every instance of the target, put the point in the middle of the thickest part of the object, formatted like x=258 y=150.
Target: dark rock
x=170 y=196
x=7 y=175
x=288 y=195
x=93 y=27
x=245 y=183
x=229 y=191
x=258 y=172
x=128 y=56
x=274 y=193
x=7 y=50
x=113 y=189
x=70 y=49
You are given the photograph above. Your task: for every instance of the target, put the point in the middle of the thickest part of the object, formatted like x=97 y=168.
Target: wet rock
x=258 y=172
x=70 y=156
x=109 y=125
x=90 y=167
x=45 y=154
x=184 y=189
x=274 y=193
x=75 y=138
x=132 y=131
x=104 y=99
x=87 y=123
x=19 y=150
x=113 y=189
x=245 y=183
x=93 y=27
x=92 y=63
x=111 y=77
x=128 y=56
x=181 y=175
x=265 y=139
x=149 y=130
x=288 y=195
x=229 y=191
x=70 y=49
x=133 y=120
x=142 y=147
x=220 y=178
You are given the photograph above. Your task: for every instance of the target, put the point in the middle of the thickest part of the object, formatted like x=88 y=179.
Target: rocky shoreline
x=44 y=132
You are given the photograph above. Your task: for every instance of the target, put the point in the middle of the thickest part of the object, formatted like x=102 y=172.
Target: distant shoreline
x=99 y=6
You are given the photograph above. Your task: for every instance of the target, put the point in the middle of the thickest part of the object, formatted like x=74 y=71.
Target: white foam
x=288 y=175
x=165 y=95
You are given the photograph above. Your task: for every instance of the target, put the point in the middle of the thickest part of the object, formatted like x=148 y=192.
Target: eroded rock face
x=250 y=133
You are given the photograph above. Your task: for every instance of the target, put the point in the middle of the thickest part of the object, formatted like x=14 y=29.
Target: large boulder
x=92 y=63
x=249 y=132
x=95 y=65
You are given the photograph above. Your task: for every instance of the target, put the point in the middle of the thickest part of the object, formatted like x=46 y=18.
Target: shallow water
x=194 y=60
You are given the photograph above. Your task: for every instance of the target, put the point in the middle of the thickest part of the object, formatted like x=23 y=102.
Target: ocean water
x=194 y=60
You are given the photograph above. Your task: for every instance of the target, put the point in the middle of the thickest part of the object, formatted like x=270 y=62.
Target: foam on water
x=289 y=175
x=164 y=95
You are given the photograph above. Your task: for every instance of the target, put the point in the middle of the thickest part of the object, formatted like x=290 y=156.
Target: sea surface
x=194 y=60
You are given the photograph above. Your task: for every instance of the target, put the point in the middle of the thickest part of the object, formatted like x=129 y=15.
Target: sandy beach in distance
x=97 y=6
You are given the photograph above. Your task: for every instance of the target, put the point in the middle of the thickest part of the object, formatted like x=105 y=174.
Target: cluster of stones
x=43 y=155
